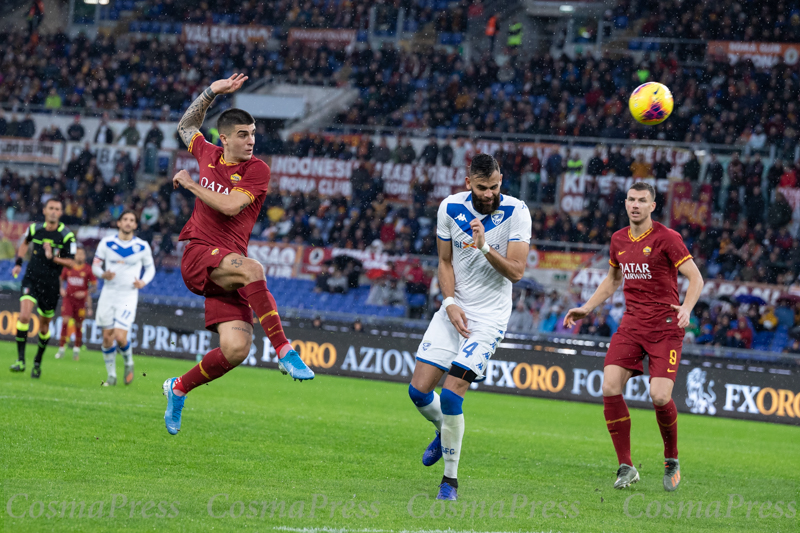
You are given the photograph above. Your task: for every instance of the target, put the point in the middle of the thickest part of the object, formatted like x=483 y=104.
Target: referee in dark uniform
x=53 y=249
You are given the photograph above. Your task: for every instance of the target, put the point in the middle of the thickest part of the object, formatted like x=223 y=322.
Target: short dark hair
x=483 y=166
x=129 y=212
x=231 y=117
x=53 y=200
x=644 y=186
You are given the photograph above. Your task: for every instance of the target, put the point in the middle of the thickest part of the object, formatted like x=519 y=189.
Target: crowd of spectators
x=431 y=88
x=446 y=15
x=726 y=20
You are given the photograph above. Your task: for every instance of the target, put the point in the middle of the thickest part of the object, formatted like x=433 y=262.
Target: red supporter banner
x=222 y=34
x=763 y=55
x=186 y=161
x=549 y=260
x=305 y=174
x=572 y=191
x=684 y=207
x=333 y=38
x=397 y=180
x=13 y=231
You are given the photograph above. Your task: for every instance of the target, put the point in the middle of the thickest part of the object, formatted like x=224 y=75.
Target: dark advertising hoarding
x=571 y=369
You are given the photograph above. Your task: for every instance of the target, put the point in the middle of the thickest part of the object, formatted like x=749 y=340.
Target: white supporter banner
x=107 y=156
x=280 y=260
x=222 y=34
x=28 y=151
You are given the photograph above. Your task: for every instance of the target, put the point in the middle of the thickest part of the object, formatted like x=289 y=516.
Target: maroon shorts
x=73 y=308
x=627 y=349
x=199 y=259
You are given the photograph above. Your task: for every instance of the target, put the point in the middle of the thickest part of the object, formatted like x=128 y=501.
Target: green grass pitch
x=272 y=450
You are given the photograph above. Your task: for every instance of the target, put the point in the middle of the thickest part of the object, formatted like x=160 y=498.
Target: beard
x=485 y=208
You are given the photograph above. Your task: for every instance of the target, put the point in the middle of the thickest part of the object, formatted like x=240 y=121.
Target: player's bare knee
x=235 y=353
x=660 y=397
x=611 y=389
x=121 y=338
x=253 y=270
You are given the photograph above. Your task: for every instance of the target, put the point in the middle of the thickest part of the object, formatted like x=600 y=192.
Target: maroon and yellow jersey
x=649 y=267
x=77 y=279
x=250 y=178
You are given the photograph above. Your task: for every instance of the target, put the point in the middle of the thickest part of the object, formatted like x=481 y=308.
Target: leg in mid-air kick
x=244 y=290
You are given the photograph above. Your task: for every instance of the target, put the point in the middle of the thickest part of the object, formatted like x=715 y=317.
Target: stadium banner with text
x=686 y=208
x=588 y=279
x=315 y=257
x=224 y=34
x=572 y=189
x=13 y=231
x=27 y=151
x=332 y=38
x=280 y=260
x=763 y=55
x=107 y=155
x=184 y=160
x=792 y=195
x=560 y=368
x=332 y=176
x=549 y=260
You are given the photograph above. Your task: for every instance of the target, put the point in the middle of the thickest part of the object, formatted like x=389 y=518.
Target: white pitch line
x=347 y=530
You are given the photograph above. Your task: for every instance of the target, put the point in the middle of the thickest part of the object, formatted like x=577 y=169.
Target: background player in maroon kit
x=230 y=192
x=78 y=284
x=648 y=256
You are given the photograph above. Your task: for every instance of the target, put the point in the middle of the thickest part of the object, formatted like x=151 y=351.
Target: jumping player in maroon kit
x=648 y=256
x=230 y=192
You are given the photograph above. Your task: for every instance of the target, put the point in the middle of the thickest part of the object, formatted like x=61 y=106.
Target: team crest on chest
x=236 y=178
x=647 y=250
x=497 y=217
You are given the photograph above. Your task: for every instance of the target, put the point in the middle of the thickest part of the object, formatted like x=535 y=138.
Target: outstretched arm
x=190 y=124
x=228 y=204
x=608 y=287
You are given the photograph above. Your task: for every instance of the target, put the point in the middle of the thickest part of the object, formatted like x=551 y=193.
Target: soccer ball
x=651 y=103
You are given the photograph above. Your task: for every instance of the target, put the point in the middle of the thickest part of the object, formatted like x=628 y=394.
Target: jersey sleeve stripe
x=191 y=143
x=248 y=193
x=682 y=261
x=443 y=239
x=613 y=264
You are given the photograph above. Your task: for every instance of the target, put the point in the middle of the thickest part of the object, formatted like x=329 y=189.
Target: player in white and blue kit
x=483 y=242
x=119 y=261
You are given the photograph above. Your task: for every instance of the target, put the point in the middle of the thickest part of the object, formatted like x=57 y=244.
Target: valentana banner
x=332 y=38
x=686 y=208
x=763 y=55
x=223 y=34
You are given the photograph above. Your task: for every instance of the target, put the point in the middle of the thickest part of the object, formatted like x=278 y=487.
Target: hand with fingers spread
x=228 y=85
x=684 y=315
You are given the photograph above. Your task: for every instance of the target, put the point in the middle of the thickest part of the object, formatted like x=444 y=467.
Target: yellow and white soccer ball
x=651 y=103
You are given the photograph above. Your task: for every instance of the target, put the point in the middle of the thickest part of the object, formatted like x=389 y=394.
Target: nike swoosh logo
x=620 y=253
x=655 y=93
x=211 y=166
x=668 y=370
x=273 y=327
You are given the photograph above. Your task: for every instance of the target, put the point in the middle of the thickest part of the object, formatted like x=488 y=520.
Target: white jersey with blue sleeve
x=481 y=291
x=116 y=307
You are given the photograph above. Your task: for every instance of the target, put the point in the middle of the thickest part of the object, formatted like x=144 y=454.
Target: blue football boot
x=294 y=366
x=433 y=452
x=172 y=416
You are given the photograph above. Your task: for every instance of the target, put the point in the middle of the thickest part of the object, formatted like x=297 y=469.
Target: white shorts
x=443 y=346
x=115 y=310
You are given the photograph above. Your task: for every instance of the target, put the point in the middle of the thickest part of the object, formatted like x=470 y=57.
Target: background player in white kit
x=119 y=261
x=483 y=242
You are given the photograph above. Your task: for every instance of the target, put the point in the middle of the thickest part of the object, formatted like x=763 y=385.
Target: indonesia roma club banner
x=545 y=366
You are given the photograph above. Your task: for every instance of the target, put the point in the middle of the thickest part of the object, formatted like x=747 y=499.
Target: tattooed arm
x=228 y=204
x=190 y=124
